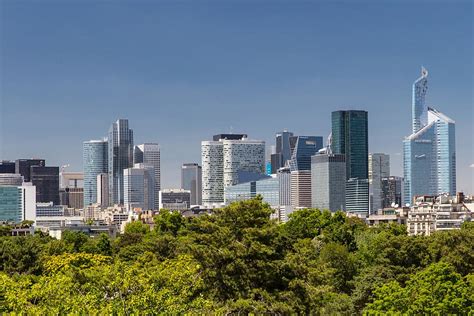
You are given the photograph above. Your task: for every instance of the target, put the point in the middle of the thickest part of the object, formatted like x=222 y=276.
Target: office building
x=269 y=189
x=328 y=181
x=302 y=148
x=139 y=187
x=392 y=191
x=71 y=179
x=284 y=181
x=282 y=151
x=95 y=162
x=430 y=151
x=46 y=181
x=103 y=189
x=349 y=137
x=120 y=157
x=7 y=166
x=191 y=180
x=23 y=167
x=149 y=154
x=227 y=161
x=175 y=199
x=72 y=197
x=357 y=196
x=379 y=167
x=11 y=179
x=17 y=203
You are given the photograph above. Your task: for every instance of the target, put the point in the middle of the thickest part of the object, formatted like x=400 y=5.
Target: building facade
x=14 y=179
x=95 y=162
x=175 y=199
x=46 y=181
x=103 y=189
x=269 y=189
x=379 y=168
x=17 y=203
x=357 y=196
x=139 y=187
x=23 y=167
x=392 y=191
x=328 y=182
x=429 y=153
x=191 y=180
x=284 y=181
x=120 y=157
x=302 y=148
x=227 y=162
x=282 y=151
x=149 y=154
x=7 y=166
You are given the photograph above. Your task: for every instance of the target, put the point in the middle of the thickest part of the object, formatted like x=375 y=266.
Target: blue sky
x=181 y=71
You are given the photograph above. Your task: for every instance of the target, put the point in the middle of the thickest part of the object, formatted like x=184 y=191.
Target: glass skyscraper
x=191 y=175
x=94 y=154
x=120 y=156
x=429 y=153
x=149 y=153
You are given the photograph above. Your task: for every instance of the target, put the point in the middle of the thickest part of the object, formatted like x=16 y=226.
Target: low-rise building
x=388 y=215
x=437 y=213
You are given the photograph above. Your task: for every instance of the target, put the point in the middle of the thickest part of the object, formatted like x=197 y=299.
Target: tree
x=436 y=290
x=137 y=227
x=168 y=222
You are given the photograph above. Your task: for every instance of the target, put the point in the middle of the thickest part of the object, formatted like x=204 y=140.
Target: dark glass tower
x=7 y=166
x=23 y=167
x=283 y=151
x=350 y=137
x=120 y=157
x=303 y=147
x=46 y=180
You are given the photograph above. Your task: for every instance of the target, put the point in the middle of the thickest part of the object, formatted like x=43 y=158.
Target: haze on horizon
x=183 y=71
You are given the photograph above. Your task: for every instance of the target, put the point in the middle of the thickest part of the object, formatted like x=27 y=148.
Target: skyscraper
x=120 y=156
x=284 y=180
x=46 y=181
x=149 y=154
x=95 y=162
x=302 y=148
x=229 y=160
x=23 y=167
x=282 y=152
x=328 y=181
x=7 y=166
x=379 y=167
x=392 y=189
x=191 y=179
x=430 y=151
x=350 y=138
x=139 y=187
x=103 y=189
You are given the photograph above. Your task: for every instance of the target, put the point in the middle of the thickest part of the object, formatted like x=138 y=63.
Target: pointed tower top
x=424 y=72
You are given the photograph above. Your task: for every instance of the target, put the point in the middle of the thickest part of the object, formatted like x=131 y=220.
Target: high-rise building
x=95 y=162
x=349 y=137
x=284 y=180
x=46 y=181
x=282 y=152
x=139 y=187
x=7 y=166
x=328 y=181
x=379 y=167
x=392 y=191
x=430 y=151
x=103 y=189
x=120 y=156
x=357 y=196
x=149 y=153
x=23 y=167
x=72 y=197
x=302 y=148
x=228 y=161
x=191 y=180
x=14 y=179
x=17 y=203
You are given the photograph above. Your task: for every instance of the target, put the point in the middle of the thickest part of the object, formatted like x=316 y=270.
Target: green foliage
x=238 y=261
x=436 y=290
x=137 y=227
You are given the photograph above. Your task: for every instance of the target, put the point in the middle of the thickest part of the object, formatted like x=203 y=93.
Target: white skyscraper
x=228 y=160
x=379 y=168
x=149 y=154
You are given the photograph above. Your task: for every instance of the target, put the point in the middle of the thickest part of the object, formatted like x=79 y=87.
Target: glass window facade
x=95 y=162
x=10 y=204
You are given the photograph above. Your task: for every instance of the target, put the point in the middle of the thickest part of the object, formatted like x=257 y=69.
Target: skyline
x=226 y=75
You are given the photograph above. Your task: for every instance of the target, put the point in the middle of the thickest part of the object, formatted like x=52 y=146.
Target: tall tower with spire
x=429 y=153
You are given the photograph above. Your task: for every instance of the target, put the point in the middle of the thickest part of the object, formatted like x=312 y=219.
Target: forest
x=239 y=261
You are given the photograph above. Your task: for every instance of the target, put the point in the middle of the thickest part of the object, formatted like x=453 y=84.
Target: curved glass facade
x=95 y=162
